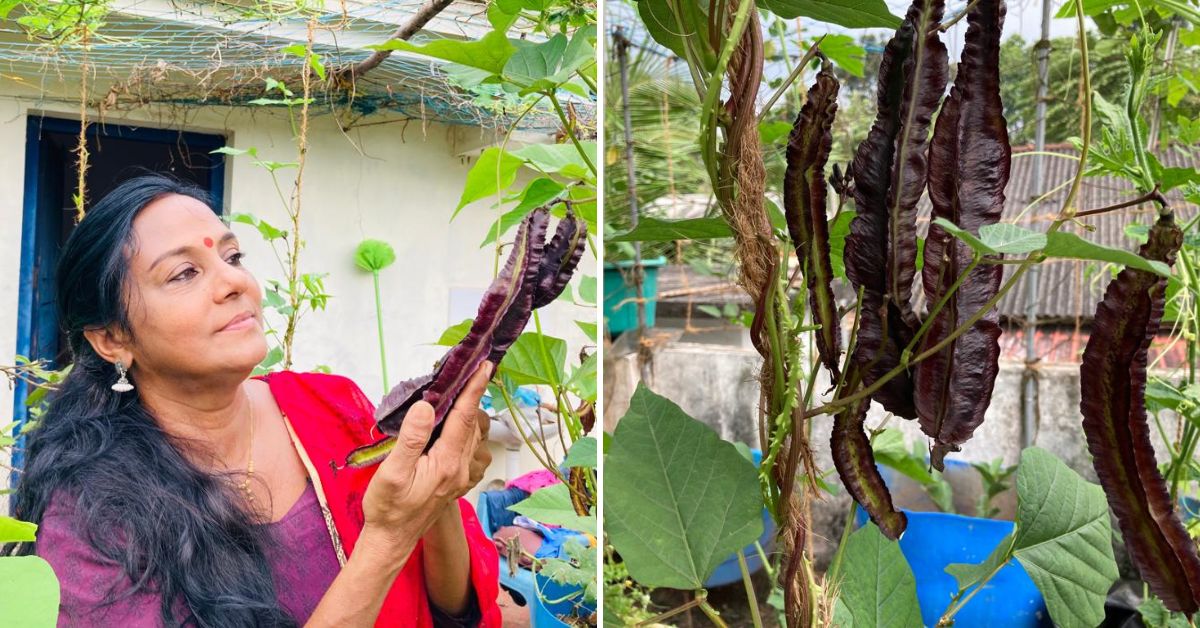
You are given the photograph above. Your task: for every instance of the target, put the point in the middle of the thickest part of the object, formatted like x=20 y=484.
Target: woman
x=173 y=489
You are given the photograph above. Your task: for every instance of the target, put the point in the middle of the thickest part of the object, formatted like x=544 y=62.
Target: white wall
x=401 y=189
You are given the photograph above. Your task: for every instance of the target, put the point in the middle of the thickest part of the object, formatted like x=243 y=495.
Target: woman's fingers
x=414 y=434
x=485 y=424
x=468 y=399
x=460 y=432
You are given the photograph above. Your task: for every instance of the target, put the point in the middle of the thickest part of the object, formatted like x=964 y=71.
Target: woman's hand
x=411 y=489
x=410 y=493
x=483 y=456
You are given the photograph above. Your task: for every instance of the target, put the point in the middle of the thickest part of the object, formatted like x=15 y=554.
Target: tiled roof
x=1070 y=288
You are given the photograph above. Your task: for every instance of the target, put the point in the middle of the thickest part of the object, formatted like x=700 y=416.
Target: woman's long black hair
x=173 y=528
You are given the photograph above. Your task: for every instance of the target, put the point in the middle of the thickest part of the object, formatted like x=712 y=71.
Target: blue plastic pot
x=620 y=310
x=934 y=540
x=556 y=599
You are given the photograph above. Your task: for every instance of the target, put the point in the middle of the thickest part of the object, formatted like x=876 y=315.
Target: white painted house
x=396 y=174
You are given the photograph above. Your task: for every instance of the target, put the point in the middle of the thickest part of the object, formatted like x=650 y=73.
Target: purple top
x=302 y=561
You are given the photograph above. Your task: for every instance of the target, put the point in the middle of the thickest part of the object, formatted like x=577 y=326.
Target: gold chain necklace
x=244 y=485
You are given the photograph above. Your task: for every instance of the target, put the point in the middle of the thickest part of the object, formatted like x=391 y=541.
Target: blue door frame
x=39 y=246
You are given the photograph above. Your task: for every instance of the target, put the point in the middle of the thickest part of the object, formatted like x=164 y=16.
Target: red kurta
x=328 y=416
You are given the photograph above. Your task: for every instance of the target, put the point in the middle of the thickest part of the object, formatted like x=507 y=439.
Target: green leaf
x=845 y=52
x=848 y=13
x=562 y=159
x=501 y=226
x=274 y=356
x=969 y=574
x=774 y=214
x=587 y=289
x=501 y=14
x=1063 y=539
x=494 y=171
x=583 y=379
x=1155 y=615
x=1161 y=395
x=552 y=505
x=532 y=62
x=582 y=453
x=490 y=52
x=525 y=364
x=774 y=131
x=841 y=615
x=878 y=587
x=838 y=230
x=589 y=329
x=1090 y=7
x=229 y=150
x=967 y=237
x=650 y=229
x=673 y=32
x=540 y=191
x=6 y=6
x=1070 y=246
x=1004 y=237
x=31 y=592
x=891 y=451
x=314 y=61
x=16 y=531
x=545 y=65
x=455 y=333
x=1138 y=232
x=684 y=499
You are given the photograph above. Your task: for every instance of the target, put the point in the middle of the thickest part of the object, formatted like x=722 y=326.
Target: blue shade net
x=221 y=53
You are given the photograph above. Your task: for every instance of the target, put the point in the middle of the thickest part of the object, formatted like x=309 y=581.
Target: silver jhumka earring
x=122 y=384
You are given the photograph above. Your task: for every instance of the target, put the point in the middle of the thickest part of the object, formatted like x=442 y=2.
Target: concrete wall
x=395 y=182
x=717 y=384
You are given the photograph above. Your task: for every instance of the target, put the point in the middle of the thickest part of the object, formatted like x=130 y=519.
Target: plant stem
x=574 y=426
x=694 y=602
x=712 y=613
x=504 y=148
x=937 y=307
x=712 y=94
x=567 y=126
x=518 y=421
x=958 y=602
x=835 y=567
x=955 y=20
x=1152 y=195
x=379 y=325
x=762 y=556
x=791 y=78
x=751 y=598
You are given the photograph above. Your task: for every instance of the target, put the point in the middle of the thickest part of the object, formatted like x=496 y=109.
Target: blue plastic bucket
x=556 y=599
x=934 y=540
x=620 y=310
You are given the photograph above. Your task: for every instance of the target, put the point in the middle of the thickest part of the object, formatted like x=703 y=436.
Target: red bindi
x=208 y=242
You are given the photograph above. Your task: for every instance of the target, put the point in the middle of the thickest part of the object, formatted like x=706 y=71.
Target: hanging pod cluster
x=965 y=166
x=1112 y=399
x=535 y=274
